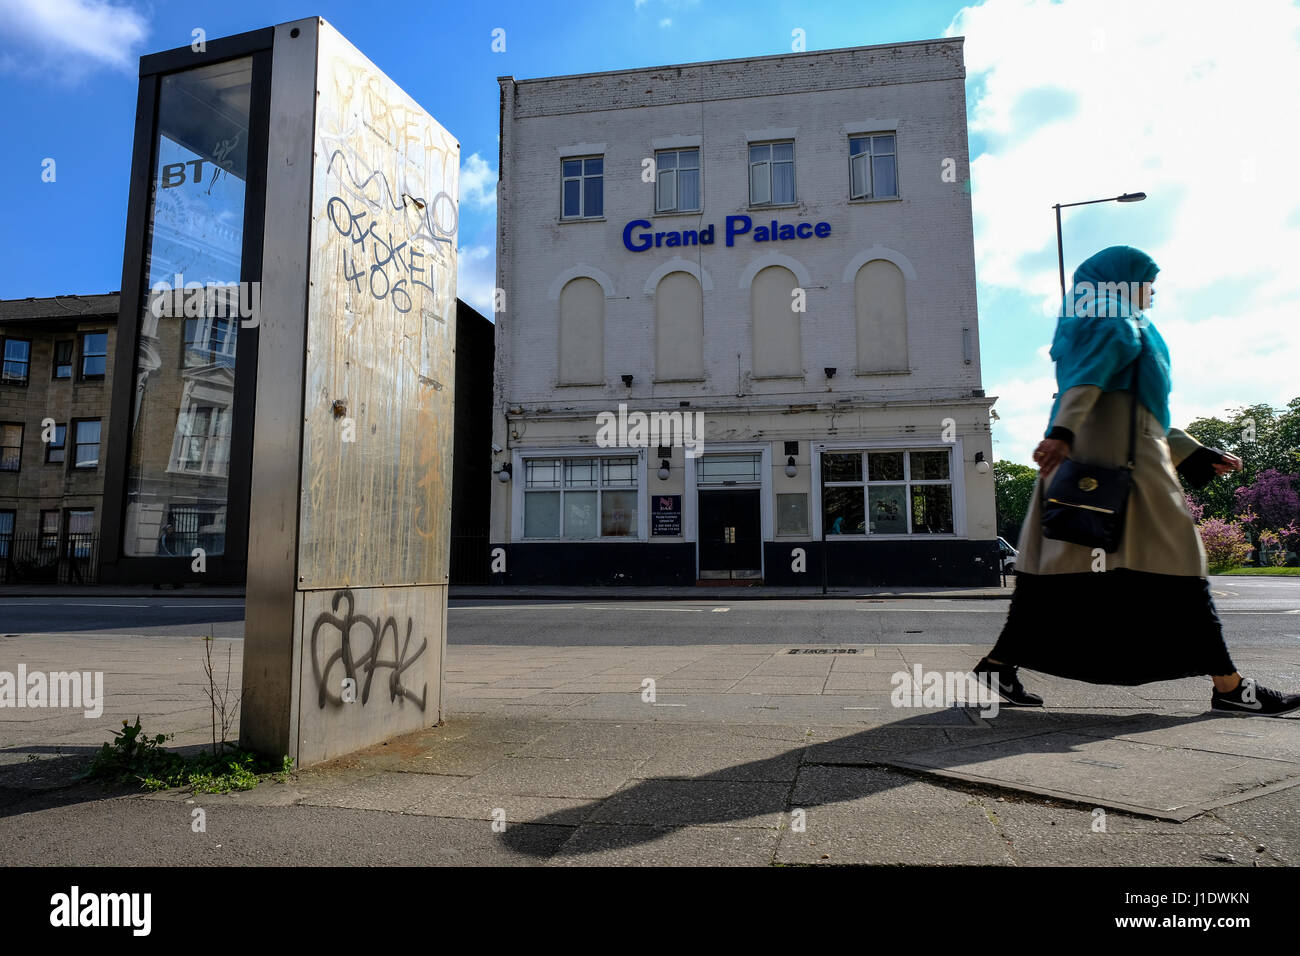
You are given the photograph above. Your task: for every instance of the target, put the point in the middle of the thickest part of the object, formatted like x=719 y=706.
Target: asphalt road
x=1255 y=611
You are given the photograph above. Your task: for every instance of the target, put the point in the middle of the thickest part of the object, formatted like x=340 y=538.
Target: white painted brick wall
x=919 y=85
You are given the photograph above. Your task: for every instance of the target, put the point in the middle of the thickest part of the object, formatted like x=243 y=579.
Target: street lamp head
x=1131 y=197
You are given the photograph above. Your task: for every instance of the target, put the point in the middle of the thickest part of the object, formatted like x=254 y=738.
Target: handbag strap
x=1133 y=414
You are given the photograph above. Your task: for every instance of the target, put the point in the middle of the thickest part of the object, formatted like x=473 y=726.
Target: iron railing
x=49 y=559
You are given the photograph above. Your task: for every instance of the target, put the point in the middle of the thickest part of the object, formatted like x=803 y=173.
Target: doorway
x=731 y=538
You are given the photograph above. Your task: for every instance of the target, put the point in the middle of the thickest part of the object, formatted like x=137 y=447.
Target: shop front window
x=900 y=492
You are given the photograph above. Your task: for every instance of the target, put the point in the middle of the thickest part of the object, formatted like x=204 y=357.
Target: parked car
x=1008 y=555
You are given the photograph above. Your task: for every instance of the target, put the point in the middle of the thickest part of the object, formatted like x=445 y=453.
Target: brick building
x=54 y=412
x=778 y=249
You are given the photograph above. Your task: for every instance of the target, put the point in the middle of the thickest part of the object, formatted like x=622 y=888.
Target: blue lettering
x=822 y=230
x=787 y=232
x=706 y=235
x=803 y=230
x=732 y=231
x=643 y=240
x=760 y=234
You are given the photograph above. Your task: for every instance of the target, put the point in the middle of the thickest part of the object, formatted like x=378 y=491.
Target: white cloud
x=478 y=183
x=1081 y=99
x=666 y=22
x=476 y=277
x=71 y=37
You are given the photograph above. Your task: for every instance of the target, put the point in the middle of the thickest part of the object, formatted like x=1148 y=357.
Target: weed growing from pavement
x=138 y=757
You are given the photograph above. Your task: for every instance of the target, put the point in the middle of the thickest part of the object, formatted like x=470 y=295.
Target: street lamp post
x=1060 y=249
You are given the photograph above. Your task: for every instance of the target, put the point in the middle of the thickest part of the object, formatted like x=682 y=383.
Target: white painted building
x=780 y=247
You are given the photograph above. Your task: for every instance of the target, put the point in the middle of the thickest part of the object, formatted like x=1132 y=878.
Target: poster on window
x=666 y=516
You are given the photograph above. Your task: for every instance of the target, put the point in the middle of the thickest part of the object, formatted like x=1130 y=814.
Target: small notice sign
x=666 y=515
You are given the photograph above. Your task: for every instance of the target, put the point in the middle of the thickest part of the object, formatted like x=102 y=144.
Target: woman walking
x=1143 y=611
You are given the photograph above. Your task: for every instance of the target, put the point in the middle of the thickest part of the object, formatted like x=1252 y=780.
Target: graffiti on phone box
x=404 y=257
x=369 y=661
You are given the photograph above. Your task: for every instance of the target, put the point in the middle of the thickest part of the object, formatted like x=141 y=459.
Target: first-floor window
x=94 y=355
x=577 y=498
x=11 y=446
x=86 y=443
x=54 y=449
x=202 y=439
x=887 y=492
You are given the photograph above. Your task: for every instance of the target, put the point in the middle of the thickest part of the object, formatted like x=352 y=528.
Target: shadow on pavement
x=653 y=808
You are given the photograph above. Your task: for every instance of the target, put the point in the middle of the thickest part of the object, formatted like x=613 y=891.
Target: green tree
x=1013 y=484
x=1261 y=436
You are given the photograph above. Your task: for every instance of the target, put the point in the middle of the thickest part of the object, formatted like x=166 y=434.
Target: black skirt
x=1115 y=627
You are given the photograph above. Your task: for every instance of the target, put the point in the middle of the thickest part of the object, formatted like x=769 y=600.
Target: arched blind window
x=776 y=325
x=582 y=333
x=880 y=304
x=679 y=328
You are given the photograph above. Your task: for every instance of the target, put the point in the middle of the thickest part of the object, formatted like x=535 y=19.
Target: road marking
x=721 y=610
x=859 y=708
x=937 y=610
x=510 y=607
x=71 y=604
x=670 y=705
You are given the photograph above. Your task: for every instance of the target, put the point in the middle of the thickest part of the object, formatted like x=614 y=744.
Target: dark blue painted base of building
x=849 y=564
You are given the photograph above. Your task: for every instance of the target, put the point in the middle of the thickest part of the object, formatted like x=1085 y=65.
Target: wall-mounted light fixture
x=981 y=466
x=504 y=474
x=830 y=371
x=790 y=469
x=663 y=469
x=627 y=380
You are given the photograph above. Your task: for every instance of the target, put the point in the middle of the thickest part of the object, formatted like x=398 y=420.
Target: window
x=880 y=308
x=7 y=519
x=210 y=341
x=677 y=188
x=63 y=358
x=873 y=167
x=202 y=440
x=777 y=328
x=584 y=187
x=55 y=447
x=17 y=360
x=887 y=492
x=49 y=540
x=731 y=469
x=576 y=498
x=582 y=332
x=11 y=446
x=679 y=328
x=94 y=355
x=792 y=513
x=81 y=531
x=771 y=174
x=85 y=443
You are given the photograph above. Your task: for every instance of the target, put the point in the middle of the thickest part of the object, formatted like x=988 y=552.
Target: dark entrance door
x=731 y=544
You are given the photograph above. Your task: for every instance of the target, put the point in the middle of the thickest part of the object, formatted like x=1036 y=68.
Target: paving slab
x=722 y=803
x=1122 y=774
x=608 y=845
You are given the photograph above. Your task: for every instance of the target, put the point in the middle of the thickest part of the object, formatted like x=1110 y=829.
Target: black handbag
x=1086 y=503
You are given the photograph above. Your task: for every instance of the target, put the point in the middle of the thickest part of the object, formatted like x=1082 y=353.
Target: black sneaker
x=1007 y=683
x=1250 y=699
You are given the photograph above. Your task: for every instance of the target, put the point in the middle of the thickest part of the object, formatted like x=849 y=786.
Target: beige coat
x=1159 y=534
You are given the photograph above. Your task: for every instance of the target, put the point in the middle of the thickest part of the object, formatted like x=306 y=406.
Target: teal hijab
x=1101 y=331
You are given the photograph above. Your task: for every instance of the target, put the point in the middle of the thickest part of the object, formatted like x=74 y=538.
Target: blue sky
x=1068 y=100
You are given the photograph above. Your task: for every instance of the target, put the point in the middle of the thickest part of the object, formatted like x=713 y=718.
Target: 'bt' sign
x=638 y=238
